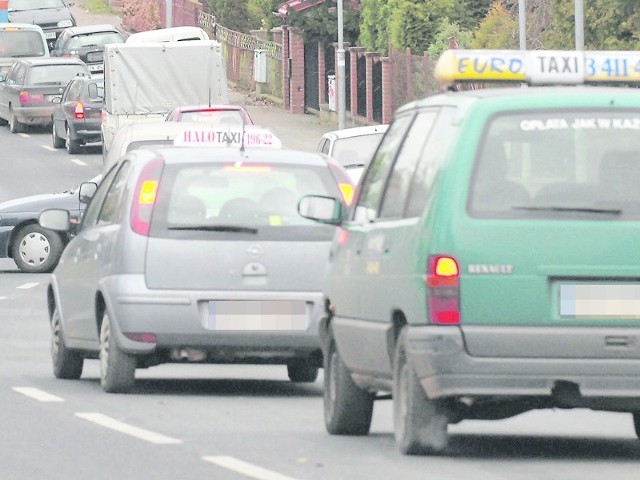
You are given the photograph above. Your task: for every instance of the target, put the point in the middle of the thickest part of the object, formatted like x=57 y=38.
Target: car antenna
x=209 y=97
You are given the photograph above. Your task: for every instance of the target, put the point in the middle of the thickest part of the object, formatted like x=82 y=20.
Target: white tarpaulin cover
x=149 y=78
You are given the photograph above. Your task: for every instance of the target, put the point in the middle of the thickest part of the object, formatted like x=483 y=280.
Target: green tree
x=498 y=30
x=261 y=14
x=232 y=14
x=414 y=23
x=469 y=13
x=374 y=35
x=320 y=23
x=447 y=30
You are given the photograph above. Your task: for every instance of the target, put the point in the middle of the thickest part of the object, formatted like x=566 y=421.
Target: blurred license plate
x=94 y=57
x=600 y=301
x=51 y=98
x=50 y=35
x=257 y=315
x=96 y=68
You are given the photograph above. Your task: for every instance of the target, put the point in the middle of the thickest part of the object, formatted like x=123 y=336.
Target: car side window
x=395 y=197
x=374 y=181
x=435 y=148
x=74 y=90
x=93 y=209
x=110 y=211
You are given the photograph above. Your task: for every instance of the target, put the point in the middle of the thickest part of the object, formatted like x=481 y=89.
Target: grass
x=99 y=6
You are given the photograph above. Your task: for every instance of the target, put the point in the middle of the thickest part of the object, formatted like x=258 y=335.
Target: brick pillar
x=370 y=57
x=354 y=53
x=286 y=81
x=296 y=51
x=387 y=90
x=322 y=75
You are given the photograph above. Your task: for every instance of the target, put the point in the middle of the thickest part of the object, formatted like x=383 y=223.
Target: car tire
x=14 y=125
x=420 y=424
x=56 y=140
x=36 y=249
x=347 y=408
x=636 y=423
x=73 y=147
x=300 y=372
x=117 y=368
x=3 y=122
x=67 y=363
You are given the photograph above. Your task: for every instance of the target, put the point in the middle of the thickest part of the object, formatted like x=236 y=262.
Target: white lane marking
x=78 y=162
x=37 y=394
x=245 y=468
x=47 y=147
x=121 y=427
x=24 y=135
x=26 y=286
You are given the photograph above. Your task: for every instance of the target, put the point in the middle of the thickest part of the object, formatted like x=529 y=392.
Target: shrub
x=140 y=15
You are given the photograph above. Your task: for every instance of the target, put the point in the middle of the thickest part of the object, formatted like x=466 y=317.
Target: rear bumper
x=446 y=369
x=86 y=132
x=178 y=319
x=34 y=115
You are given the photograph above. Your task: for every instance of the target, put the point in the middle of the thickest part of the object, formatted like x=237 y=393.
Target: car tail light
x=79 y=111
x=145 y=196
x=103 y=117
x=26 y=98
x=443 y=290
x=142 y=337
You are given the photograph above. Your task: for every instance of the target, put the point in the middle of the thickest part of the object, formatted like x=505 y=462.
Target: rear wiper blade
x=217 y=228
x=604 y=211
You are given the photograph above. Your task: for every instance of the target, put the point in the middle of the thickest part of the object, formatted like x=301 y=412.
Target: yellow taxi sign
x=213 y=136
x=538 y=66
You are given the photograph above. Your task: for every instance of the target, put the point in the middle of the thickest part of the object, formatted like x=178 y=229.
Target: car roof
x=190 y=108
x=36 y=61
x=83 y=29
x=357 y=131
x=21 y=26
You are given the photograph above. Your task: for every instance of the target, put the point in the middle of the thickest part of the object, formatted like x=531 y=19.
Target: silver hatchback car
x=195 y=255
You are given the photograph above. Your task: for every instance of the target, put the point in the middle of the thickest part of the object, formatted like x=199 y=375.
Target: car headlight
x=65 y=23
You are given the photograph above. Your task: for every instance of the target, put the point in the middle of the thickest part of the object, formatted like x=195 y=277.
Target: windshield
x=21 y=43
x=356 y=150
x=54 y=74
x=556 y=164
x=15 y=5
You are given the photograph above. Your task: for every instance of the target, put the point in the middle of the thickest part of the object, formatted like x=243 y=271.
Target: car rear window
x=21 y=44
x=54 y=74
x=96 y=39
x=218 y=117
x=227 y=201
x=559 y=164
x=356 y=150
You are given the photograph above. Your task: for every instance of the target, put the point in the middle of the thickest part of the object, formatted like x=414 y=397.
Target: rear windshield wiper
x=604 y=211
x=217 y=228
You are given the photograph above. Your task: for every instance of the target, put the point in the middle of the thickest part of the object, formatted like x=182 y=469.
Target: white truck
x=145 y=81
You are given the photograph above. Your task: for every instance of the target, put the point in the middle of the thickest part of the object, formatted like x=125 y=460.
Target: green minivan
x=490 y=262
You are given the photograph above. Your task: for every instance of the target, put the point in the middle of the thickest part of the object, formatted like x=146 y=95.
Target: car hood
x=38 y=17
x=35 y=203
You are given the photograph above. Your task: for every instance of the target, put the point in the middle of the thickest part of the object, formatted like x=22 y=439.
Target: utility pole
x=579 y=25
x=522 y=16
x=340 y=72
x=168 y=13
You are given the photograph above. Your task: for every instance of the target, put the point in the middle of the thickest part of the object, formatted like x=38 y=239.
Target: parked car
x=33 y=248
x=52 y=15
x=30 y=87
x=87 y=43
x=198 y=255
x=227 y=115
x=489 y=264
x=354 y=146
x=171 y=34
x=76 y=117
x=19 y=40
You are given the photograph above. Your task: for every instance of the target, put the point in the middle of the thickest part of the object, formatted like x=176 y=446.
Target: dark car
x=87 y=43
x=231 y=115
x=76 y=116
x=33 y=248
x=31 y=85
x=52 y=15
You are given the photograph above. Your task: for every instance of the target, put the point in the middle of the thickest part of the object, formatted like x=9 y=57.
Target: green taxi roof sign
x=538 y=67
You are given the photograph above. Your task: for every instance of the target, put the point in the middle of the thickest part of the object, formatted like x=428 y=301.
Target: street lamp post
x=340 y=72
x=579 y=12
x=522 y=16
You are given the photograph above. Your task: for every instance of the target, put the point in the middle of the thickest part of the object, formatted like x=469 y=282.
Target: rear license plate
x=50 y=35
x=96 y=68
x=600 y=301
x=261 y=315
x=94 y=57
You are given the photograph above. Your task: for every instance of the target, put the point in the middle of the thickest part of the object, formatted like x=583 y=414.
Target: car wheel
x=56 y=140
x=636 y=423
x=3 y=122
x=14 y=125
x=420 y=424
x=73 y=147
x=117 y=368
x=347 y=408
x=301 y=372
x=66 y=363
x=36 y=249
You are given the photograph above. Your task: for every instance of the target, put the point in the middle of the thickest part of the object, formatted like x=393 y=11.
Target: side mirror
x=87 y=191
x=321 y=209
x=55 y=219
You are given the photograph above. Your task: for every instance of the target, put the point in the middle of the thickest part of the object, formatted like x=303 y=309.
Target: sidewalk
x=296 y=131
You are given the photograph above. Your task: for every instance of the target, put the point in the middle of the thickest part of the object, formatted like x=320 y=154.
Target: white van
x=19 y=40
x=173 y=34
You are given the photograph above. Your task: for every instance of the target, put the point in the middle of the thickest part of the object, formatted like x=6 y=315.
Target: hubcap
x=34 y=249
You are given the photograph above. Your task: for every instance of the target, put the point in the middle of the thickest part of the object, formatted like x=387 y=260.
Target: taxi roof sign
x=215 y=136
x=538 y=67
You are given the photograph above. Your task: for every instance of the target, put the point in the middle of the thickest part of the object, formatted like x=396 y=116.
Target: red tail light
x=145 y=197
x=79 y=111
x=103 y=116
x=26 y=98
x=443 y=290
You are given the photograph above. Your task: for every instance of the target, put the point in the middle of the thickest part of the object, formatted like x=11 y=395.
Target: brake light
x=142 y=337
x=79 y=111
x=347 y=192
x=145 y=197
x=103 y=116
x=27 y=98
x=443 y=290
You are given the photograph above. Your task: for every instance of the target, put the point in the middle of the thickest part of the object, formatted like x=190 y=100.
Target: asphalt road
x=235 y=422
